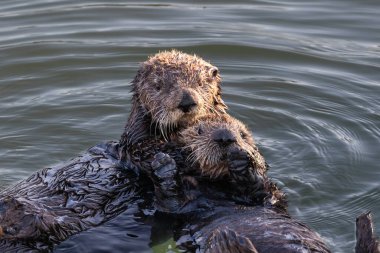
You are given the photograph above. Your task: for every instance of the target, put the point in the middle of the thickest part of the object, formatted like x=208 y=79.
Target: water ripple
x=304 y=76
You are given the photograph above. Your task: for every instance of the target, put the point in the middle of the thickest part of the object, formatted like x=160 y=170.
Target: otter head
x=212 y=138
x=175 y=89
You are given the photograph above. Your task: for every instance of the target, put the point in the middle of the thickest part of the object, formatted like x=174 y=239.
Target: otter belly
x=55 y=203
x=258 y=229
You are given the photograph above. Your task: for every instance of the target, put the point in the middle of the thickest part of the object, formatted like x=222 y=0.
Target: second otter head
x=212 y=138
x=176 y=88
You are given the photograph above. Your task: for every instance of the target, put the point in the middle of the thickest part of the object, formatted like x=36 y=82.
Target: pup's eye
x=158 y=85
x=200 y=130
x=243 y=135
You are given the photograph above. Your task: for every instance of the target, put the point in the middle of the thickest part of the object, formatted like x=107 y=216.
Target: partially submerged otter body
x=222 y=156
x=170 y=90
x=216 y=223
x=246 y=229
x=223 y=225
x=55 y=203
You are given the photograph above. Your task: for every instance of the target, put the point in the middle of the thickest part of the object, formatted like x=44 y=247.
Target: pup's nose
x=187 y=103
x=223 y=137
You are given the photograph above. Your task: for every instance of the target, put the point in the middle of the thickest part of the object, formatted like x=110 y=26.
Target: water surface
x=304 y=76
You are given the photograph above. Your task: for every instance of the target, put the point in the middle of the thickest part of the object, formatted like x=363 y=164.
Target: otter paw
x=163 y=166
x=238 y=164
x=164 y=174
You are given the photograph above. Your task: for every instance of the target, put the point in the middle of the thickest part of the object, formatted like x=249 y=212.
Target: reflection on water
x=304 y=76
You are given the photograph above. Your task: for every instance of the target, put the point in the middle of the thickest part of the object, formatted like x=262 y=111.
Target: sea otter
x=170 y=91
x=230 y=181
x=218 y=225
x=220 y=153
x=214 y=222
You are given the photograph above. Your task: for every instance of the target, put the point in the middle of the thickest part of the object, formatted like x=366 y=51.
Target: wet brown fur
x=55 y=203
x=208 y=154
x=202 y=163
x=158 y=88
x=210 y=158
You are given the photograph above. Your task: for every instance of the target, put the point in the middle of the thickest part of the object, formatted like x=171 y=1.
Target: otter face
x=177 y=88
x=212 y=138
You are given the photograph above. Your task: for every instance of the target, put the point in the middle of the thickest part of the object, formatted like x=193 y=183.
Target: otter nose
x=223 y=137
x=187 y=102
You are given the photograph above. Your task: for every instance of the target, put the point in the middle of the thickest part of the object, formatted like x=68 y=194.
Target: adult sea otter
x=170 y=90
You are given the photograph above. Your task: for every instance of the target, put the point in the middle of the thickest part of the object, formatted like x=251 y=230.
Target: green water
x=303 y=75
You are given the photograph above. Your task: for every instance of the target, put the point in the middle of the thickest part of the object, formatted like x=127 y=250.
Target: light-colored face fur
x=170 y=79
x=208 y=153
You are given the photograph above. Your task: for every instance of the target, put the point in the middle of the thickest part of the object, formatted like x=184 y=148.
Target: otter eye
x=243 y=135
x=158 y=85
x=200 y=130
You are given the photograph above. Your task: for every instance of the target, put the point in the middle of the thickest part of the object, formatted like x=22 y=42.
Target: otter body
x=254 y=229
x=170 y=90
x=222 y=159
x=55 y=203
x=213 y=224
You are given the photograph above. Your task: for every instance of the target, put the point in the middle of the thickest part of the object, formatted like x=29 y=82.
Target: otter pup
x=170 y=91
x=219 y=225
x=221 y=161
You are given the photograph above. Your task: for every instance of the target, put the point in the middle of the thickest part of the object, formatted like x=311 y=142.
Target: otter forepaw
x=164 y=173
x=238 y=164
x=249 y=182
x=164 y=166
